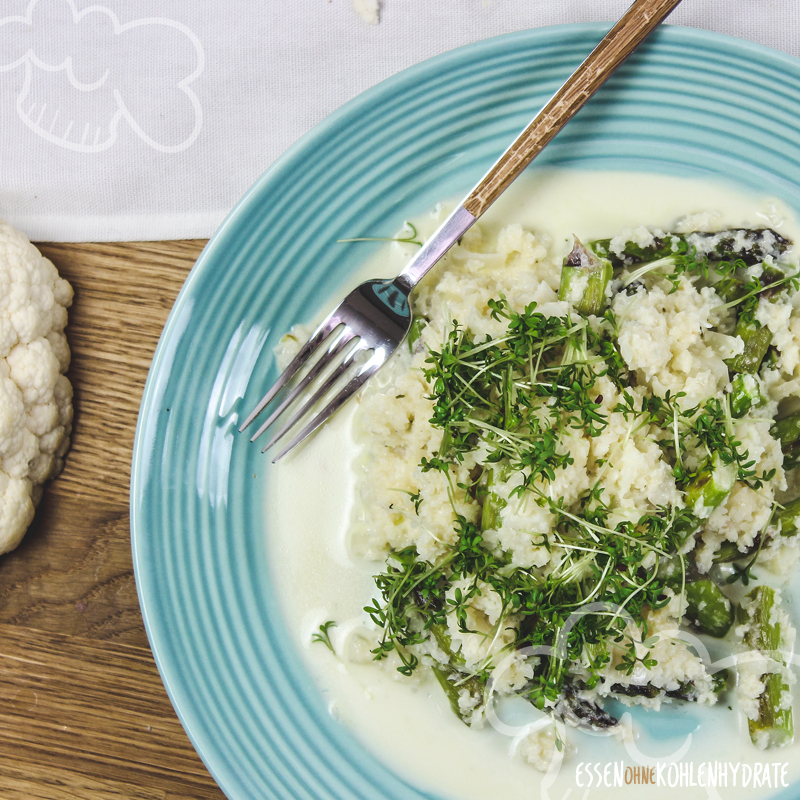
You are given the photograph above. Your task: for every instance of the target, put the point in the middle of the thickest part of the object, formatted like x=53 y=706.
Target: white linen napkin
x=148 y=119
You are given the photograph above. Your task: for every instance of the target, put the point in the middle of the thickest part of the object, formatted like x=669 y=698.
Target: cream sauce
x=408 y=723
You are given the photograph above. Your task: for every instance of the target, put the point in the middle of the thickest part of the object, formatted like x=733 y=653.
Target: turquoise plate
x=688 y=103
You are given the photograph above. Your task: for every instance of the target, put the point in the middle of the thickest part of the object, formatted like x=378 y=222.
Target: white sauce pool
x=409 y=725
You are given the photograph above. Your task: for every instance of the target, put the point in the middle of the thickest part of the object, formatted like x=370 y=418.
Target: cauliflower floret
x=35 y=396
x=539 y=747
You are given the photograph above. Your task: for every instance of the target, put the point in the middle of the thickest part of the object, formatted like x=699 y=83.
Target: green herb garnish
x=323 y=637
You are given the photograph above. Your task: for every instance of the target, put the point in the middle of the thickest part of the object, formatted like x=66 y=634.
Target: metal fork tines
x=375 y=316
x=349 y=346
x=339 y=356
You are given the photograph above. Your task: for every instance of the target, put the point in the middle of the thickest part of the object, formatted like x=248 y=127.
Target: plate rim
x=169 y=672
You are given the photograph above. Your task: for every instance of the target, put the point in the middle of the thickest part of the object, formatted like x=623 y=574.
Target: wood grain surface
x=83 y=712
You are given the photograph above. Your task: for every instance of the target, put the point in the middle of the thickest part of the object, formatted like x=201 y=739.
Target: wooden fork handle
x=637 y=23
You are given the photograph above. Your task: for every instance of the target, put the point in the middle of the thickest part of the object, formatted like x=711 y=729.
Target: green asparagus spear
x=707 y=490
x=770 y=275
x=671 y=572
x=710 y=487
x=446 y=644
x=450 y=678
x=581 y=711
x=788 y=517
x=453 y=683
x=787 y=430
x=757 y=339
x=720 y=680
x=750 y=245
x=745 y=394
x=446 y=449
x=771 y=358
x=686 y=691
x=584 y=280
x=636 y=690
x=729 y=551
x=774 y=726
x=730 y=288
x=708 y=608
x=633 y=253
x=493 y=504
x=685 y=526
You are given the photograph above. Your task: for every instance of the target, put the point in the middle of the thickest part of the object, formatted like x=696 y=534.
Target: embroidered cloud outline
x=61 y=134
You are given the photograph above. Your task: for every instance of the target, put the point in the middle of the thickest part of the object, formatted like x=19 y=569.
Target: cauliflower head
x=35 y=395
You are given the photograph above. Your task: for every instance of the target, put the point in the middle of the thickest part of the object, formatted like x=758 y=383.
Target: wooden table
x=83 y=712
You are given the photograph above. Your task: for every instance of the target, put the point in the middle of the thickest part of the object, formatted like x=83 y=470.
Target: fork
x=365 y=329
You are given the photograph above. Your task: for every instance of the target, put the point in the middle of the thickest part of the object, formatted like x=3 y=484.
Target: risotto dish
x=574 y=492
x=574 y=468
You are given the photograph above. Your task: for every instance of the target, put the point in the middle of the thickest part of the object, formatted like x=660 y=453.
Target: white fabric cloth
x=148 y=119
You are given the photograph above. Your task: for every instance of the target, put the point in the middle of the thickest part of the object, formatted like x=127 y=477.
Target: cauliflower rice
x=673 y=342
